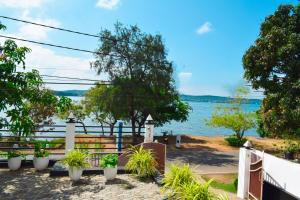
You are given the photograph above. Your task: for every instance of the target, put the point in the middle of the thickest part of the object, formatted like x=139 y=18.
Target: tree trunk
x=134 y=136
x=112 y=126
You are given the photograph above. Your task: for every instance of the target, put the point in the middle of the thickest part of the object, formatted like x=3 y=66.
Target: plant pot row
x=39 y=163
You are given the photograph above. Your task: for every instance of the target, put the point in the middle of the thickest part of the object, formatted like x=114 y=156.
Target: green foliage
x=142 y=77
x=232 y=116
x=272 y=64
x=77 y=159
x=195 y=191
x=109 y=161
x=177 y=176
x=235 y=141
x=23 y=99
x=40 y=150
x=141 y=162
x=235 y=183
x=101 y=106
x=14 y=154
x=291 y=146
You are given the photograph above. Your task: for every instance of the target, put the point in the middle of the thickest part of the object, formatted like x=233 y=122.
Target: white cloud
x=34 y=32
x=108 y=4
x=204 y=28
x=184 y=76
x=24 y=4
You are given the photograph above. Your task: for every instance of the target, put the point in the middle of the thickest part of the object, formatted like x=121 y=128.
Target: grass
x=225 y=183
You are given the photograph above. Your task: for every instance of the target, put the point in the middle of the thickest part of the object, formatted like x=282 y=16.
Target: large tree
x=273 y=64
x=22 y=94
x=137 y=65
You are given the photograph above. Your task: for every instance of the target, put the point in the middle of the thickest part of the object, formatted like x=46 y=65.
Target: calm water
x=195 y=125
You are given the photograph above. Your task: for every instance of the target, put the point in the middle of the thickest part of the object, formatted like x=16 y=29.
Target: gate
x=256 y=177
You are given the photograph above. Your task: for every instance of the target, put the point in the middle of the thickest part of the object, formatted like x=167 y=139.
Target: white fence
x=280 y=172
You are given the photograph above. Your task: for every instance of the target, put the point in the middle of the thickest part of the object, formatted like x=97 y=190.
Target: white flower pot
x=14 y=163
x=75 y=173
x=110 y=173
x=40 y=163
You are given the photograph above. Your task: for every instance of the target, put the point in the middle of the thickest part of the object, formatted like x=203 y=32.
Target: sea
x=196 y=123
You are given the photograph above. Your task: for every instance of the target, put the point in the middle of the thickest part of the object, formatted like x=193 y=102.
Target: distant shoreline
x=184 y=97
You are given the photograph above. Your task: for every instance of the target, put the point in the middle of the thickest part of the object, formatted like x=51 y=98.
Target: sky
x=205 y=39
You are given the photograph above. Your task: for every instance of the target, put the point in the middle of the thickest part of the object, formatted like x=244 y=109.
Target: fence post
x=149 y=129
x=70 y=133
x=244 y=172
x=119 y=139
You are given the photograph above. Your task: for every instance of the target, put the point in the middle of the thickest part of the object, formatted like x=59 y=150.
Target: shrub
x=109 y=161
x=178 y=176
x=77 y=159
x=14 y=154
x=235 y=183
x=195 y=191
x=291 y=147
x=141 y=162
x=235 y=141
x=40 y=150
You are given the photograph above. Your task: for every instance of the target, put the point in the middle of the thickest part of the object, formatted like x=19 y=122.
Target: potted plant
x=109 y=164
x=14 y=159
x=290 y=150
x=41 y=157
x=76 y=161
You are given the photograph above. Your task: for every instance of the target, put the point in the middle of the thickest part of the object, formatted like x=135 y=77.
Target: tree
x=273 y=64
x=20 y=91
x=137 y=66
x=101 y=106
x=232 y=116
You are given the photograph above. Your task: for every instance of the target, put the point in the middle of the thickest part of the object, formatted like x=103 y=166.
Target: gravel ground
x=28 y=184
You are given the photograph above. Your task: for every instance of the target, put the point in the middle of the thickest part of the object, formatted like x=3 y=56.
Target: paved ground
x=30 y=185
x=205 y=161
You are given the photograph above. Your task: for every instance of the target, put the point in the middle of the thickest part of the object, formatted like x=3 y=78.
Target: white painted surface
x=243 y=173
x=284 y=173
x=70 y=137
x=14 y=163
x=149 y=130
x=178 y=141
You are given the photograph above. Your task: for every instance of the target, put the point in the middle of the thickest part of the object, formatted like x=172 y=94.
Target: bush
x=77 y=159
x=178 y=176
x=109 y=161
x=14 y=154
x=40 y=150
x=235 y=183
x=195 y=191
x=235 y=141
x=141 y=162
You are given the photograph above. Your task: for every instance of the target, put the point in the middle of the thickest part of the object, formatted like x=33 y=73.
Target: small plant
x=14 y=154
x=109 y=161
x=76 y=159
x=178 y=176
x=235 y=141
x=40 y=150
x=141 y=162
x=195 y=191
x=291 y=147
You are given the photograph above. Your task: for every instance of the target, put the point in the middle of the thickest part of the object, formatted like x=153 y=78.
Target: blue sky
x=205 y=39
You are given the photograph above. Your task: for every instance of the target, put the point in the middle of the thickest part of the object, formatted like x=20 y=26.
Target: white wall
x=284 y=172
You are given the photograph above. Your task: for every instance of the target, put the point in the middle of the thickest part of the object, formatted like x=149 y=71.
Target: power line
x=73 y=83
x=52 y=27
x=68 y=30
x=73 y=78
x=52 y=45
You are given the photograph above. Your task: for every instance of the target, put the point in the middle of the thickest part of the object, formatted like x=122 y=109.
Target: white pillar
x=70 y=133
x=244 y=173
x=178 y=141
x=149 y=130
